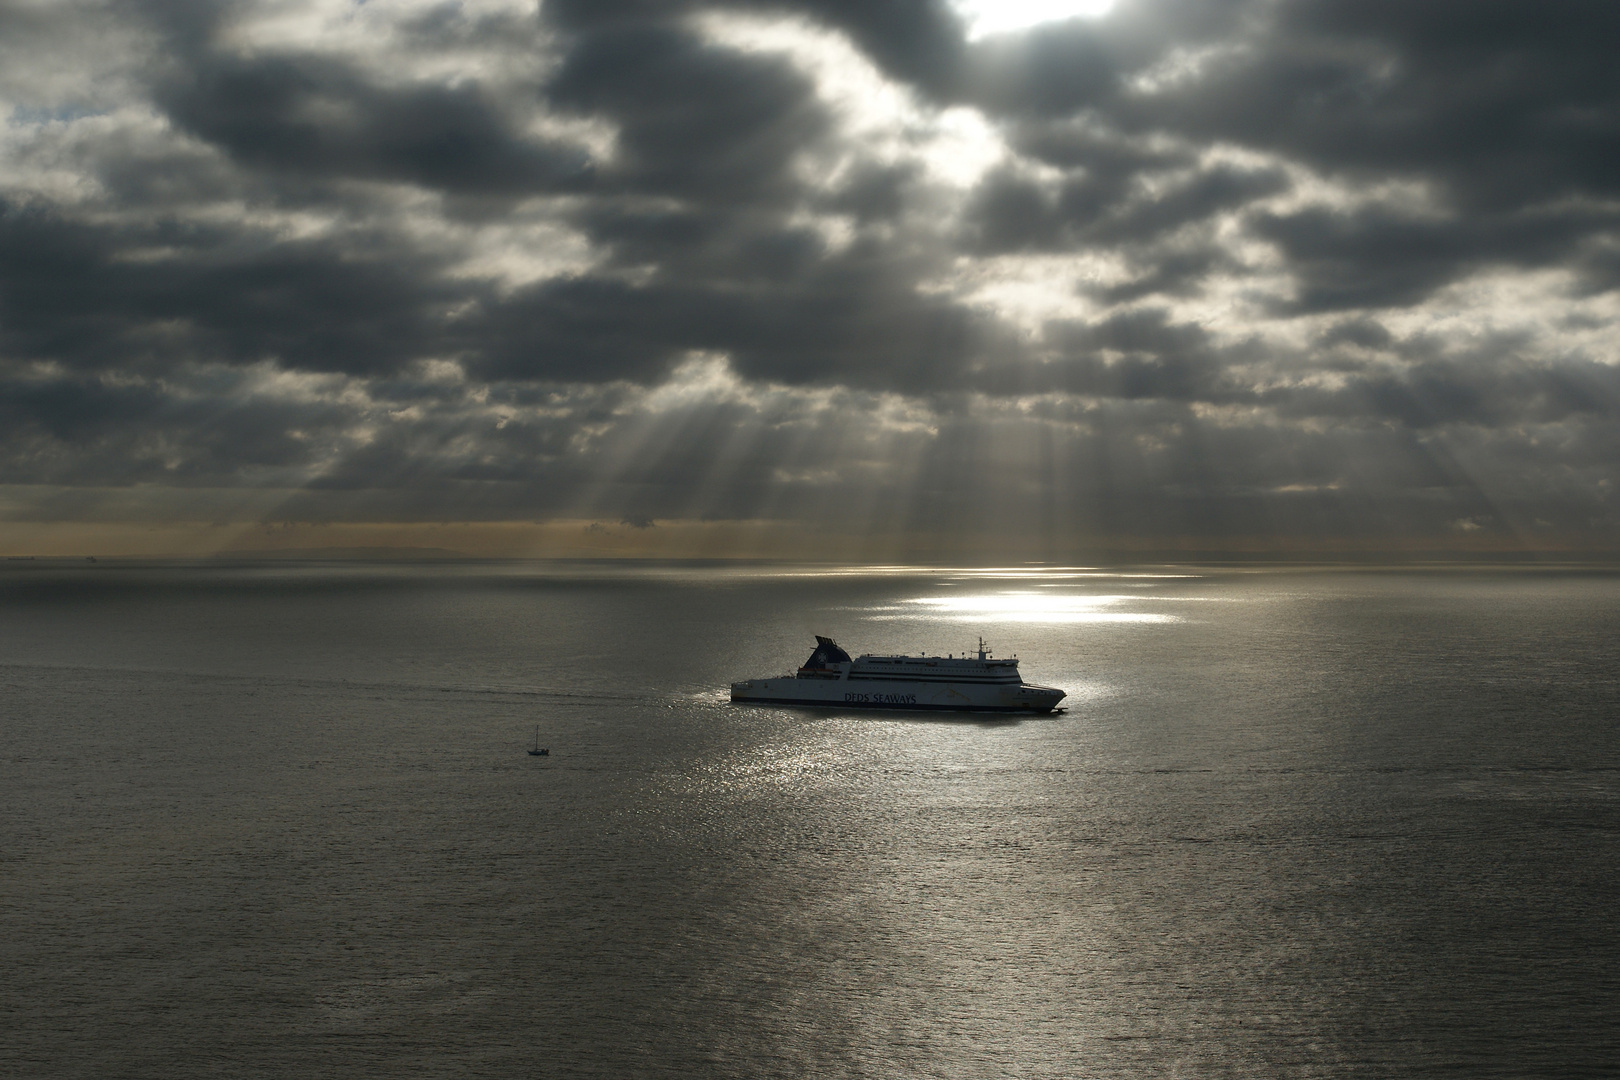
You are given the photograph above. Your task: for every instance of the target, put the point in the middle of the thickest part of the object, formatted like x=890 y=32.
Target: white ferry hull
x=897 y=694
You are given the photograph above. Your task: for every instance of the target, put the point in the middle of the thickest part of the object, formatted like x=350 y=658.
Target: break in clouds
x=1191 y=270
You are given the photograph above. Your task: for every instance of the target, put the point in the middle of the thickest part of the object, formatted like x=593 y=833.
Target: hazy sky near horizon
x=1307 y=270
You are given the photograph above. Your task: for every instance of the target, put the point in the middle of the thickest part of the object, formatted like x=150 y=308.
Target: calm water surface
x=278 y=821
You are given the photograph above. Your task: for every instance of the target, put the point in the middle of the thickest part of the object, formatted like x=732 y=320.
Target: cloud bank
x=1213 y=275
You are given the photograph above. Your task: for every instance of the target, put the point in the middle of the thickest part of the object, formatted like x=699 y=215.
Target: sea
x=278 y=819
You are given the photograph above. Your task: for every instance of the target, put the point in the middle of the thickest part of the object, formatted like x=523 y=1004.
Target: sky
x=847 y=279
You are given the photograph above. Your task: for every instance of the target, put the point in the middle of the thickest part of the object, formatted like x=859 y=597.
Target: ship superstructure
x=971 y=683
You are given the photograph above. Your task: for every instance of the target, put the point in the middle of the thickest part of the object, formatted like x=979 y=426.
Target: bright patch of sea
x=277 y=821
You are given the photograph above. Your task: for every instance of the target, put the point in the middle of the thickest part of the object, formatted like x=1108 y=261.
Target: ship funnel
x=827 y=655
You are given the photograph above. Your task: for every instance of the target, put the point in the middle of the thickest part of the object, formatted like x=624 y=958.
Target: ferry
x=830 y=679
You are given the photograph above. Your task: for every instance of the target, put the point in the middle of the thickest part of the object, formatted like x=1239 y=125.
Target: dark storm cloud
x=1378 y=259
x=1013 y=213
x=311 y=115
x=1422 y=385
x=916 y=40
x=1377 y=378
x=316 y=115
x=1135 y=355
x=70 y=292
x=845 y=324
x=456 y=253
x=1172 y=273
x=1511 y=102
x=694 y=121
x=83 y=430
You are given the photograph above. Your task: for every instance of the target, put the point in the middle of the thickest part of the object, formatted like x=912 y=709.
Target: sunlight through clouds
x=949 y=283
x=880 y=120
x=987 y=17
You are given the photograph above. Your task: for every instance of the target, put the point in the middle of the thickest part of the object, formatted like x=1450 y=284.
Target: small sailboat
x=539 y=751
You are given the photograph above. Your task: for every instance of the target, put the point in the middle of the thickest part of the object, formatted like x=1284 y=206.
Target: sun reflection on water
x=1023 y=607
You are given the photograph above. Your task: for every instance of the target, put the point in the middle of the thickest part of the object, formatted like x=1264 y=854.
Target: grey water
x=278 y=820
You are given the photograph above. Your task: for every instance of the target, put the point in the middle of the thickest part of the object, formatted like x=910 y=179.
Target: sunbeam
x=987 y=17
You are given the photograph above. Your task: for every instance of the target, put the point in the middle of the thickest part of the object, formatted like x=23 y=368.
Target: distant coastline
x=366 y=554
